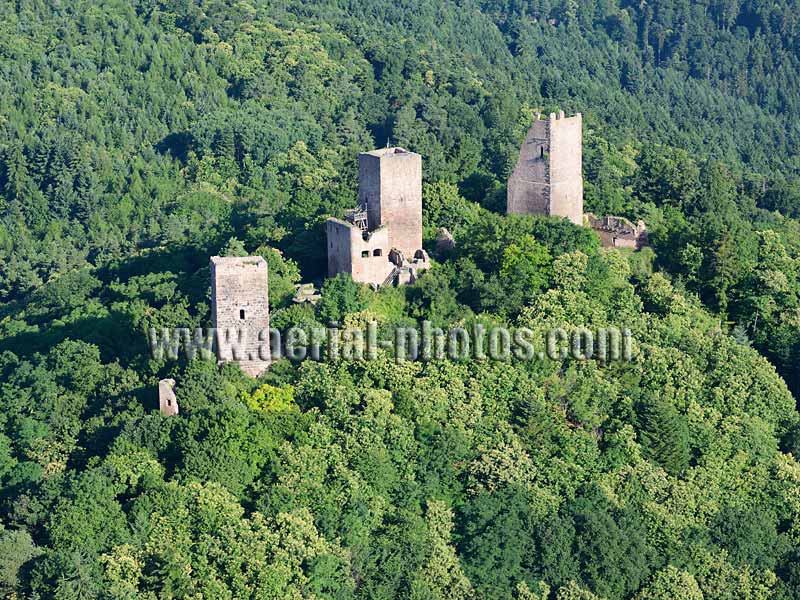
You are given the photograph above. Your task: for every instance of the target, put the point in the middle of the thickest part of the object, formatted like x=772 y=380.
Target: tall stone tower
x=548 y=179
x=390 y=187
x=240 y=311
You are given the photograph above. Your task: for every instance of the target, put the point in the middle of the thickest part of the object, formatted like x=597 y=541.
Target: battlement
x=559 y=116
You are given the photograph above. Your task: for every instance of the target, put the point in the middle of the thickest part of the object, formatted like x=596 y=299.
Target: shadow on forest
x=187 y=258
x=176 y=145
x=111 y=334
x=115 y=335
x=99 y=440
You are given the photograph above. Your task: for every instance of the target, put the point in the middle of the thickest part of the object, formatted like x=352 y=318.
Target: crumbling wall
x=618 y=232
x=528 y=187
x=364 y=255
x=445 y=243
x=390 y=190
x=340 y=246
x=167 y=401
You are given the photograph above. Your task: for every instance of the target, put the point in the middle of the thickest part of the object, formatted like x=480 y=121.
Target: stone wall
x=566 y=163
x=340 y=246
x=364 y=255
x=547 y=179
x=618 y=232
x=167 y=402
x=390 y=190
x=240 y=305
x=390 y=186
x=528 y=188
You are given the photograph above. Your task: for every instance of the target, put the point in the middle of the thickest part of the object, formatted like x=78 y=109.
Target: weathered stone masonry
x=547 y=179
x=390 y=186
x=240 y=305
x=362 y=254
x=380 y=242
x=167 y=401
x=618 y=232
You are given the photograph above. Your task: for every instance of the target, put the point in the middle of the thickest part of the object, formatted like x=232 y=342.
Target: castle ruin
x=380 y=241
x=240 y=311
x=618 y=232
x=548 y=179
x=167 y=401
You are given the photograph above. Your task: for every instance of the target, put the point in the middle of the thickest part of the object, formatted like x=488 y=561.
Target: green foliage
x=283 y=275
x=528 y=263
x=749 y=534
x=138 y=139
x=268 y=398
x=340 y=296
x=473 y=480
x=16 y=549
x=234 y=247
x=443 y=206
x=612 y=547
x=671 y=584
x=664 y=434
x=498 y=542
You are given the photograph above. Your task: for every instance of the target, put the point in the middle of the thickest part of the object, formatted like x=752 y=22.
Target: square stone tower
x=390 y=187
x=548 y=178
x=240 y=311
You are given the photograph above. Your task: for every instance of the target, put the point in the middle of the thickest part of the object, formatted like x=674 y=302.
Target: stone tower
x=167 y=402
x=380 y=241
x=547 y=179
x=240 y=311
x=390 y=187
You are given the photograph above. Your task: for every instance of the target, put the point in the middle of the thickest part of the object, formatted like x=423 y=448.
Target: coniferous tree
x=664 y=434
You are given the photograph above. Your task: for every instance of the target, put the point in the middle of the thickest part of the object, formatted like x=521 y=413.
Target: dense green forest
x=137 y=139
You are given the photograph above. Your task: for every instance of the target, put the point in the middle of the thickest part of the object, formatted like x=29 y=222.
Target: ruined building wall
x=548 y=178
x=340 y=246
x=167 y=401
x=618 y=232
x=390 y=185
x=365 y=255
x=240 y=302
x=566 y=160
x=390 y=189
x=528 y=190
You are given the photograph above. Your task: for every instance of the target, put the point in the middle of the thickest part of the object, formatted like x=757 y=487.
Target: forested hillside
x=137 y=139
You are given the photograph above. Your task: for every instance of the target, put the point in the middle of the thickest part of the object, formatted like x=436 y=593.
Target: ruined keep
x=380 y=241
x=240 y=311
x=547 y=179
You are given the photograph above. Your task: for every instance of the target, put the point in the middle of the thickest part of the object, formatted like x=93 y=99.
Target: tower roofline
x=241 y=260
x=559 y=116
x=386 y=152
